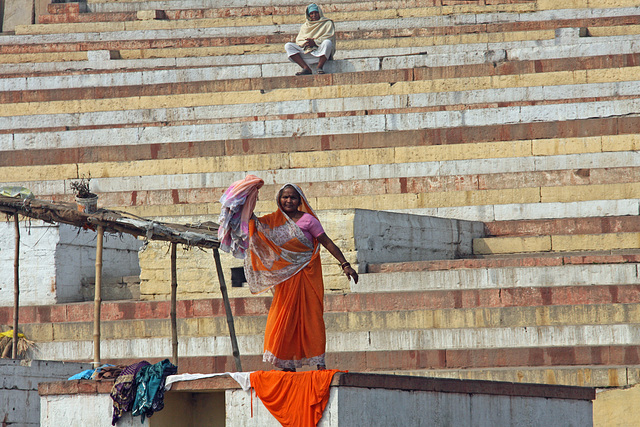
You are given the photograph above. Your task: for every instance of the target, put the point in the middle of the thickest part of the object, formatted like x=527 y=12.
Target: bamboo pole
x=16 y=289
x=97 y=299
x=227 y=309
x=174 y=292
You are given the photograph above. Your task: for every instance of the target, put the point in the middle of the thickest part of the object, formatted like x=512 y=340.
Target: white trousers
x=325 y=49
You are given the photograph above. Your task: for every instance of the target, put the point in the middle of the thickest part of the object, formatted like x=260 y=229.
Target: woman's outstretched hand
x=351 y=273
x=337 y=253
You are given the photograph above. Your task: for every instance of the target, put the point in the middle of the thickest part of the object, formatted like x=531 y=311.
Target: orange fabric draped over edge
x=295 y=399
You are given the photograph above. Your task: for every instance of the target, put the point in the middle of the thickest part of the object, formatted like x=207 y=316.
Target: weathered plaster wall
x=350 y=406
x=392 y=237
x=82 y=410
x=17 y=12
x=617 y=407
x=57 y=260
x=19 y=400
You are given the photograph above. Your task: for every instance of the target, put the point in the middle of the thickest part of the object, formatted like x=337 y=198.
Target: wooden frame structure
x=204 y=235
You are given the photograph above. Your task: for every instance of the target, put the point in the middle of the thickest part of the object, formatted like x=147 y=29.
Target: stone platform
x=355 y=399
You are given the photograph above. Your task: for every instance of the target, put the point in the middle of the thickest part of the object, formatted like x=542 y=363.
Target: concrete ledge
x=351 y=379
x=409 y=383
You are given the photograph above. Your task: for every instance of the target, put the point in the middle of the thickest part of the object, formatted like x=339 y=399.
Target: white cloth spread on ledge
x=241 y=377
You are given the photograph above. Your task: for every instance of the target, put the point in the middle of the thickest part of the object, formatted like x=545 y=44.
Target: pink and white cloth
x=238 y=203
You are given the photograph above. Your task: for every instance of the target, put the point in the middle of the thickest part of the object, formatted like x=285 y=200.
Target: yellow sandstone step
x=584 y=4
x=18 y=58
x=620 y=30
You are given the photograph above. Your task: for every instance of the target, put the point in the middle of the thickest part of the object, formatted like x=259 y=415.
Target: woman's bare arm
x=337 y=253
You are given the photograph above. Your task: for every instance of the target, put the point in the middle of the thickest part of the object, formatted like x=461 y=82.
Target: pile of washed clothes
x=138 y=388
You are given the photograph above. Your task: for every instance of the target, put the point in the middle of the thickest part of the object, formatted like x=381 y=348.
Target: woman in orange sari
x=284 y=255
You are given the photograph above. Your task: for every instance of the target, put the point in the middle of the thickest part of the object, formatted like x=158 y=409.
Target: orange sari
x=282 y=257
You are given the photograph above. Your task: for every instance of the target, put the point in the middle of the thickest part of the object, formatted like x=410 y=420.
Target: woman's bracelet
x=345 y=264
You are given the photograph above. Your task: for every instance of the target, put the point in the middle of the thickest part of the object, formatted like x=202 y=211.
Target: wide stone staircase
x=522 y=115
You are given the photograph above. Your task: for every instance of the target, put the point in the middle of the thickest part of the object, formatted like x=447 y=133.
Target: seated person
x=316 y=41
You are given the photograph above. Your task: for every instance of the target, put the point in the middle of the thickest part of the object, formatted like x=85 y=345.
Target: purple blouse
x=310 y=226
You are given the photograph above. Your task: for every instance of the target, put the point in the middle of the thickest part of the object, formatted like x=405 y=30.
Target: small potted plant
x=86 y=200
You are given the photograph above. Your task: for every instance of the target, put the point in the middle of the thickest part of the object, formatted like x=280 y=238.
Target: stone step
x=595 y=357
x=513 y=211
x=591 y=373
x=523 y=260
x=585 y=376
x=566 y=29
x=347 y=341
x=364 y=59
x=483 y=205
x=564 y=226
x=73 y=12
x=411 y=20
x=190 y=185
x=316 y=125
x=197 y=282
x=458 y=322
x=344 y=20
x=269 y=6
x=109 y=5
x=130 y=192
x=360 y=47
x=336 y=98
x=189 y=80
x=477 y=167
x=339 y=101
x=570 y=137
x=169 y=10
x=556 y=243
x=347 y=48
x=495 y=278
x=335 y=304
x=582 y=84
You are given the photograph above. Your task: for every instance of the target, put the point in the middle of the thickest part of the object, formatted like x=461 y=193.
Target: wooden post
x=227 y=308
x=16 y=289
x=174 y=292
x=97 y=299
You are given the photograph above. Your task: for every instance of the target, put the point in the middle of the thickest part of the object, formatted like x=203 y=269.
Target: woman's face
x=289 y=200
x=314 y=16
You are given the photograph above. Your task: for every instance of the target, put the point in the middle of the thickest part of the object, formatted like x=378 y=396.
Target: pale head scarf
x=319 y=30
